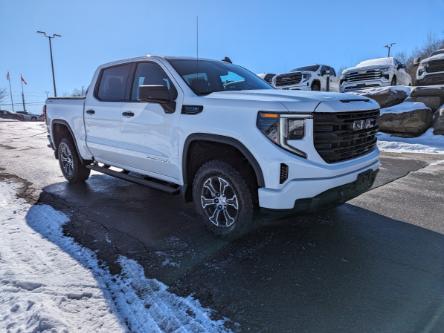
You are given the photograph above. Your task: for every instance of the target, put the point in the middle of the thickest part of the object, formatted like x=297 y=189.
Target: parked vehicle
x=378 y=72
x=267 y=76
x=314 y=77
x=430 y=70
x=219 y=135
x=7 y=114
x=26 y=116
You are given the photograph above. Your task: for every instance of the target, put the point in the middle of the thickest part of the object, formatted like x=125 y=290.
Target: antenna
x=197 y=47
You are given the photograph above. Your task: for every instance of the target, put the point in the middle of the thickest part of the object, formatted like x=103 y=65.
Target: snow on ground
x=427 y=143
x=404 y=107
x=48 y=282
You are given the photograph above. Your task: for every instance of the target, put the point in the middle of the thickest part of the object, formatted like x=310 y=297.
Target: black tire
x=316 y=86
x=394 y=81
x=72 y=168
x=214 y=174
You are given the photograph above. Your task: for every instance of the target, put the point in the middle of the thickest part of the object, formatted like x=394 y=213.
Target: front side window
x=207 y=76
x=114 y=83
x=150 y=73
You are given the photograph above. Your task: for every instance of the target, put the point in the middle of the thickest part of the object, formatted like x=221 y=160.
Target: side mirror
x=416 y=61
x=158 y=94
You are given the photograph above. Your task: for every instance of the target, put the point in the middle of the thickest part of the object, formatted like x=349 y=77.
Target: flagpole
x=23 y=95
x=10 y=92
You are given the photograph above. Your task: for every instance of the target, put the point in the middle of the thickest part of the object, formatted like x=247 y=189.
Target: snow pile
x=426 y=143
x=404 y=107
x=381 y=90
x=54 y=284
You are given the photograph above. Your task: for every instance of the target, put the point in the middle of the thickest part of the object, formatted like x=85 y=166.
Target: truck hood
x=435 y=57
x=362 y=69
x=298 y=100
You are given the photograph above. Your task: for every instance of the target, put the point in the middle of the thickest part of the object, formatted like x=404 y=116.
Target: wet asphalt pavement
x=375 y=264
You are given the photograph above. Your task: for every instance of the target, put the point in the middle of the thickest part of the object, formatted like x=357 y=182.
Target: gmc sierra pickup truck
x=219 y=135
x=314 y=77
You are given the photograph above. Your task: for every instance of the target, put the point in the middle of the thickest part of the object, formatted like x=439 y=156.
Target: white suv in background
x=375 y=73
x=314 y=77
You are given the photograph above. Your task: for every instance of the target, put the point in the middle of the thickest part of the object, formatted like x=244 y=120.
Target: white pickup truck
x=379 y=72
x=314 y=77
x=219 y=135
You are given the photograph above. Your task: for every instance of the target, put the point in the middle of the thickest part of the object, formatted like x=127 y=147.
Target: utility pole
x=23 y=95
x=8 y=77
x=50 y=37
x=389 y=47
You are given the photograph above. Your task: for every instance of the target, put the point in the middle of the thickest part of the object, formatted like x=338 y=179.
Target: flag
x=23 y=80
x=7 y=76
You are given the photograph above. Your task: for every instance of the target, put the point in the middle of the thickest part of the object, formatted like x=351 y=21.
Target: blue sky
x=264 y=36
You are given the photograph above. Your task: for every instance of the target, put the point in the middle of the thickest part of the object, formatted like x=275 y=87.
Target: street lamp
x=389 y=47
x=44 y=34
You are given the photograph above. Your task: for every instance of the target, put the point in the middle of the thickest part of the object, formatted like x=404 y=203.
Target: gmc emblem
x=363 y=124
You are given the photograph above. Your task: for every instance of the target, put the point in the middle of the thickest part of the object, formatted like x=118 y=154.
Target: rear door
x=103 y=114
x=147 y=131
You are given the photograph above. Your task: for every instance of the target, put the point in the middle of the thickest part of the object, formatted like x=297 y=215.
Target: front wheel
x=223 y=199
x=394 y=82
x=70 y=164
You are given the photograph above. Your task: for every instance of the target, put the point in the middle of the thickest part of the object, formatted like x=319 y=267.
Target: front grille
x=435 y=66
x=288 y=79
x=335 y=139
x=371 y=74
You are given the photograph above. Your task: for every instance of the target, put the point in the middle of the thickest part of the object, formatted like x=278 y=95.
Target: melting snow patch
x=427 y=143
x=57 y=285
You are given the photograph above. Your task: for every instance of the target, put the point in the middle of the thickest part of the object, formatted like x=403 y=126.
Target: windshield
x=437 y=52
x=207 y=76
x=312 y=68
x=376 y=62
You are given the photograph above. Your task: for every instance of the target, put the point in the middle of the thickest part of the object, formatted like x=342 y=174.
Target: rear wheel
x=70 y=164
x=223 y=199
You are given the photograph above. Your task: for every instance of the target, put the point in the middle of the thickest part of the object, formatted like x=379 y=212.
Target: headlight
x=280 y=128
x=306 y=76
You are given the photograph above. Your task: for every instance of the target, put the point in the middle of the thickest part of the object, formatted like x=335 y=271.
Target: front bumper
x=301 y=86
x=350 y=86
x=318 y=191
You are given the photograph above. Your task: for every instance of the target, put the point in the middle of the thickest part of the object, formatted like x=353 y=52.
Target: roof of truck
x=149 y=56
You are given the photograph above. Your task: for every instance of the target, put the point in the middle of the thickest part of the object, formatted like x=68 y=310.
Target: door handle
x=128 y=114
x=90 y=111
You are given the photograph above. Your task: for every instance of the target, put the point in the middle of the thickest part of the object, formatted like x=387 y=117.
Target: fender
x=65 y=123
x=226 y=140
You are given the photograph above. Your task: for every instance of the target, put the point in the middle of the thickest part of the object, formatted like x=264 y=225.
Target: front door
x=103 y=114
x=148 y=131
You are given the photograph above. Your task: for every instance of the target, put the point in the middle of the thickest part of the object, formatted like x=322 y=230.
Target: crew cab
x=430 y=70
x=378 y=72
x=314 y=77
x=218 y=135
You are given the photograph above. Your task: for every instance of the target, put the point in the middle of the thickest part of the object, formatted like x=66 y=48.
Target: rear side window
x=150 y=73
x=114 y=83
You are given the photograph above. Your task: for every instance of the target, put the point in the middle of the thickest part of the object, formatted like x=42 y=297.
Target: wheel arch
x=216 y=139
x=58 y=128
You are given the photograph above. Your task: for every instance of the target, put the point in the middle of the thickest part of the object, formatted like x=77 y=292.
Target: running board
x=157 y=185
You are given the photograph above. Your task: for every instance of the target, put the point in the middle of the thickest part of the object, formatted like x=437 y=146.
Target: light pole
x=389 y=47
x=50 y=53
